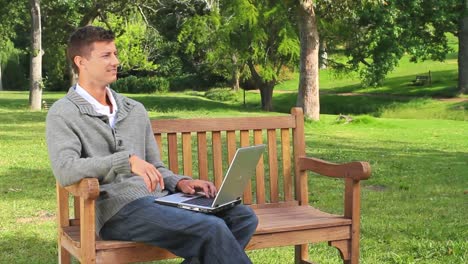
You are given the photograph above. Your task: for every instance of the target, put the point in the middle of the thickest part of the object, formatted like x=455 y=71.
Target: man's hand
x=150 y=174
x=192 y=186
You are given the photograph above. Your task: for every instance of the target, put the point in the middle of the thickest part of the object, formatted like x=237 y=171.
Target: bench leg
x=64 y=256
x=301 y=254
x=348 y=253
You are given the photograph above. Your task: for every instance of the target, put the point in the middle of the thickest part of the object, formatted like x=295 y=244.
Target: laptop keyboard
x=202 y=201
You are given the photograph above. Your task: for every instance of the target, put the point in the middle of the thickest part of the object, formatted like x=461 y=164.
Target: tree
x=308 y=91
x=35 y=92
x=463 y=50
x=13 y=21
x=267 y=41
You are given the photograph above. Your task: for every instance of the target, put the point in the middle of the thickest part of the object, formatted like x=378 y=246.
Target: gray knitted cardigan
x=81 y=144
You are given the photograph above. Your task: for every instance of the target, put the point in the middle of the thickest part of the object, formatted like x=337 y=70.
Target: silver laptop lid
x=240 y=171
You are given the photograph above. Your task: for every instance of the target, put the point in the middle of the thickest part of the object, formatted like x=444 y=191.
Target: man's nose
x=115 y=60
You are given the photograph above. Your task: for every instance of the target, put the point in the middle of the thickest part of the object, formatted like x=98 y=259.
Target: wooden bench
x=422 y=79
x=278 y=192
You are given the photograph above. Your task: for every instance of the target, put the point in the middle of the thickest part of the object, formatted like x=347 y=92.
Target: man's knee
x=248 y=216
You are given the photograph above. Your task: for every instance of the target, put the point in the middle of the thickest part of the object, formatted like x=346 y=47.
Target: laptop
x=242 y=168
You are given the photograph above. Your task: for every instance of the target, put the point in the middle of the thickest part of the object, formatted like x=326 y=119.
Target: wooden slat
x=260 y=171
x=172 y=152
x=139 y=253
x=187 y=153
x=221 y=124
x=273 y=163
x=88 y=232
x=244 y=142
x=217 y=159
x=274 y=205
x=76 y=207
x=202 y=156
x=283 y=219
x=63 y=212
x=299 y=151
x=231 y=144
x=296 y=237
x=352 y=211
x=286 y=159
x=159 y=142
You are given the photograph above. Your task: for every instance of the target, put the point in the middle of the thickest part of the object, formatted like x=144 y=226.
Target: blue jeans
x=219 y=238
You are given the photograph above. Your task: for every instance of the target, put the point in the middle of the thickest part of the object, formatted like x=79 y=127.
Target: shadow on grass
x=443 y=85
x=15 y=103
x=165 y=104
x=22 y=117
x=340 y=104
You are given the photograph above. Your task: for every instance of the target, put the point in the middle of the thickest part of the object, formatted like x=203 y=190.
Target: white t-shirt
x=98 y=107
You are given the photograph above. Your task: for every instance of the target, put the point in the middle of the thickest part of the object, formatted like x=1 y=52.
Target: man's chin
x=113 y=79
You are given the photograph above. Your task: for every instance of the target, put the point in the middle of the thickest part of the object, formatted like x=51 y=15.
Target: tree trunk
x=235 y=73
x=265 y=87
x=35 y=92
x=1 y=82
x=308 y=91
x=463 y=51
x=323 y=59
x=266 y=94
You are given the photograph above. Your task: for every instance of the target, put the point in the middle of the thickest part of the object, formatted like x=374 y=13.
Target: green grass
x=414 y=207
x=398 y=82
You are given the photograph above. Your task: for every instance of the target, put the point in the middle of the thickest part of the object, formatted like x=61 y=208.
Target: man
x=95 y=132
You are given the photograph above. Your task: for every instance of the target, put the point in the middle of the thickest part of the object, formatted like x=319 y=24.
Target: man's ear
x=79 y=62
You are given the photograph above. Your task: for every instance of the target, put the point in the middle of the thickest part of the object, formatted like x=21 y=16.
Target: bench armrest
x=87 y=188
x=355 y=170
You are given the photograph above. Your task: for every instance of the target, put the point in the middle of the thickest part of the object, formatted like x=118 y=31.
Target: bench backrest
x=204 y=147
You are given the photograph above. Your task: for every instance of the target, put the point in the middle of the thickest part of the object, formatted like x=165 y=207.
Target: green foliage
x=133 y=41
x=133 y=84
x=13 y=62
x=190 y=82
x=222 y=95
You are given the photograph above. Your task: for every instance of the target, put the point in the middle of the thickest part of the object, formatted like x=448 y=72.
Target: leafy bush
x=186 y=82
x=195 y=82
x=133 y=84
x=221 y=94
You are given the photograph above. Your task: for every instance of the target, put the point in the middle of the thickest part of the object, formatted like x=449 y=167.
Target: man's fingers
x=213 y=189
x=160 y=179
x=156 y=178
x=148 y=183
x=150 y=174
x=206 y=190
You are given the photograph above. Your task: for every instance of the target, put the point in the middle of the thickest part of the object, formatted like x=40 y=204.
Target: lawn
x=414 y=207
x=398 y=82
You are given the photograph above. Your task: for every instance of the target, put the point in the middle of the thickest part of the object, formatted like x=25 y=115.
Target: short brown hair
x=80 y=42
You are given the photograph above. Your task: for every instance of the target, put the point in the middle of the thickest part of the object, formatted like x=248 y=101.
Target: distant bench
x=422 y=79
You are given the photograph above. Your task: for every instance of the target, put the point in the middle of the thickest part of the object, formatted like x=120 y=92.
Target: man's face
x=100 y=66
